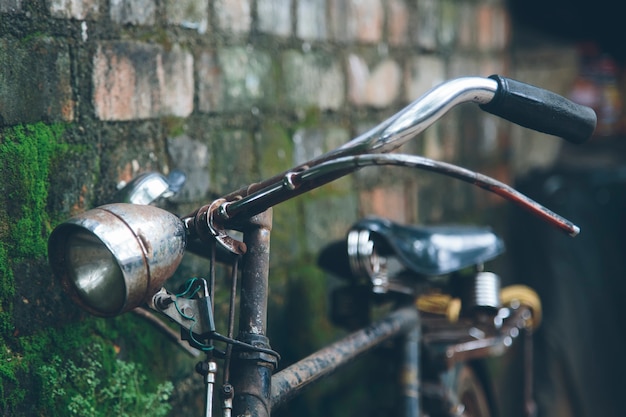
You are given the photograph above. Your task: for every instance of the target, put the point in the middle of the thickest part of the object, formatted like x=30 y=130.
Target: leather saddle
x=423 y=250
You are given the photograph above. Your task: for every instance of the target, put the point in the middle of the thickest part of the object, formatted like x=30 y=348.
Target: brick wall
x=233 y=66
x=233 y=91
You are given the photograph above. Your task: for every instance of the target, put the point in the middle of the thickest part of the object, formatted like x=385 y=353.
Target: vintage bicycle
x=443 y=308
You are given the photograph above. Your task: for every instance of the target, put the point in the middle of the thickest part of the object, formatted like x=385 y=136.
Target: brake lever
x=328 y=170
x=414 y=161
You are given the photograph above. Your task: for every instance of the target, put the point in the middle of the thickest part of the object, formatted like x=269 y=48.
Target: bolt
x=187 y=312
x=162 y=301
x=227 y=391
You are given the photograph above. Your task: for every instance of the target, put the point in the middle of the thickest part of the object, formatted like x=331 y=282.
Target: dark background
x=579 y=350
x=600 y=21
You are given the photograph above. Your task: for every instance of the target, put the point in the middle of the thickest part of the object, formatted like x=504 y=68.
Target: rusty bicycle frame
x=256 y=389
x=252 y=387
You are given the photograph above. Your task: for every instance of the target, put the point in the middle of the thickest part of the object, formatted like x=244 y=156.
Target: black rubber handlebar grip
x=541 y=110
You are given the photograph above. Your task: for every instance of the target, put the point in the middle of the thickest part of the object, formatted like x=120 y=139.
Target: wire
x=244 y=345
x=188 y=293
x=189 y=283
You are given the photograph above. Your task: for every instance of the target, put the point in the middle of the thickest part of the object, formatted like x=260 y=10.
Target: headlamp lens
x=94 y=272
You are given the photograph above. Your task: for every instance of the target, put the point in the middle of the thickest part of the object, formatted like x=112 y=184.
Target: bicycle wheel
x=471 y=394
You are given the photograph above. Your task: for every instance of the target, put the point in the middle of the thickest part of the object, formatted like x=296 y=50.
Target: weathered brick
x=192 y=157
x=209 y=83
x=423 y=73
x=35 y=81
x=273 y=142
x=190 y=14
x=464 y=65
x=127 y=150
x=311 y=142
x=467 y=30
x=449 y=24
x=135 y=80
x=135 y=12
x=341 y=28
x=234 y=163
x=493 y=27
x=392 y=202
x=74 y=9
x=356 y=20
x=426 y=33
x=433 y=145
x=274 y=16
x=275 y=148
x=176 y=82
x=377 y=87
x=236 y=79
x=311 y=20
x=369 y=15
x=327 y=219
x=484 y=29
x=313 y=79
x=234 y=15
x=397 y=22
x=10 y=6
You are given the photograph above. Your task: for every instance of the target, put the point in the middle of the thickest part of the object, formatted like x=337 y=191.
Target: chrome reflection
x=114 y=258
x=94 y=272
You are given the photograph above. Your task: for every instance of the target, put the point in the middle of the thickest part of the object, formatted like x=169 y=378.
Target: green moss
x=33 y=36
x=26 y=153
x=77 y=388
x=85 y=377
x=310 y=117
x=25 y=156
x=6 y=283
x=158 y=36
x=40 y=363
x=46 y=374
x=174 y=126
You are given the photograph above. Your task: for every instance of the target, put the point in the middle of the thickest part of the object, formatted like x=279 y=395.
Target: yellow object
x=442 y=304
x=526 y=296
x=446 y=305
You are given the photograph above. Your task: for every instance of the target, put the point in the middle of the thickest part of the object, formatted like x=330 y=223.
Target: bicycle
x=115 y=258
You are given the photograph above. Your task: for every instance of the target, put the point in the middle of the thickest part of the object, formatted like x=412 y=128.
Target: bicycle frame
x=257 y=391
x=253 y=389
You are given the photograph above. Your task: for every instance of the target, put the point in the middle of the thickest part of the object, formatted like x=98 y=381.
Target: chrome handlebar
x=537 y=109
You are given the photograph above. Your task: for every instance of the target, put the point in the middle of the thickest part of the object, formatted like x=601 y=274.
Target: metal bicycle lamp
x=116 y=257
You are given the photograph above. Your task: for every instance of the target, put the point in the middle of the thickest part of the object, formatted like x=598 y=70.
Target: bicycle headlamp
x=114 y=258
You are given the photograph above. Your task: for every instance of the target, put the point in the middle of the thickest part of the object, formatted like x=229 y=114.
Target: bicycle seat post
x=252 y=370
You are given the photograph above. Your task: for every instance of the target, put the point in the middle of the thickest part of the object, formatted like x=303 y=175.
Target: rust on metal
x=290 y=381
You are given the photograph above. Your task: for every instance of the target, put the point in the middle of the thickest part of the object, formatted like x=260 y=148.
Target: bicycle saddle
x=424 y=250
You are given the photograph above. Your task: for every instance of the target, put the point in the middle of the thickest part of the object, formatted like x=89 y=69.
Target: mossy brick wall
x=93 y=92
